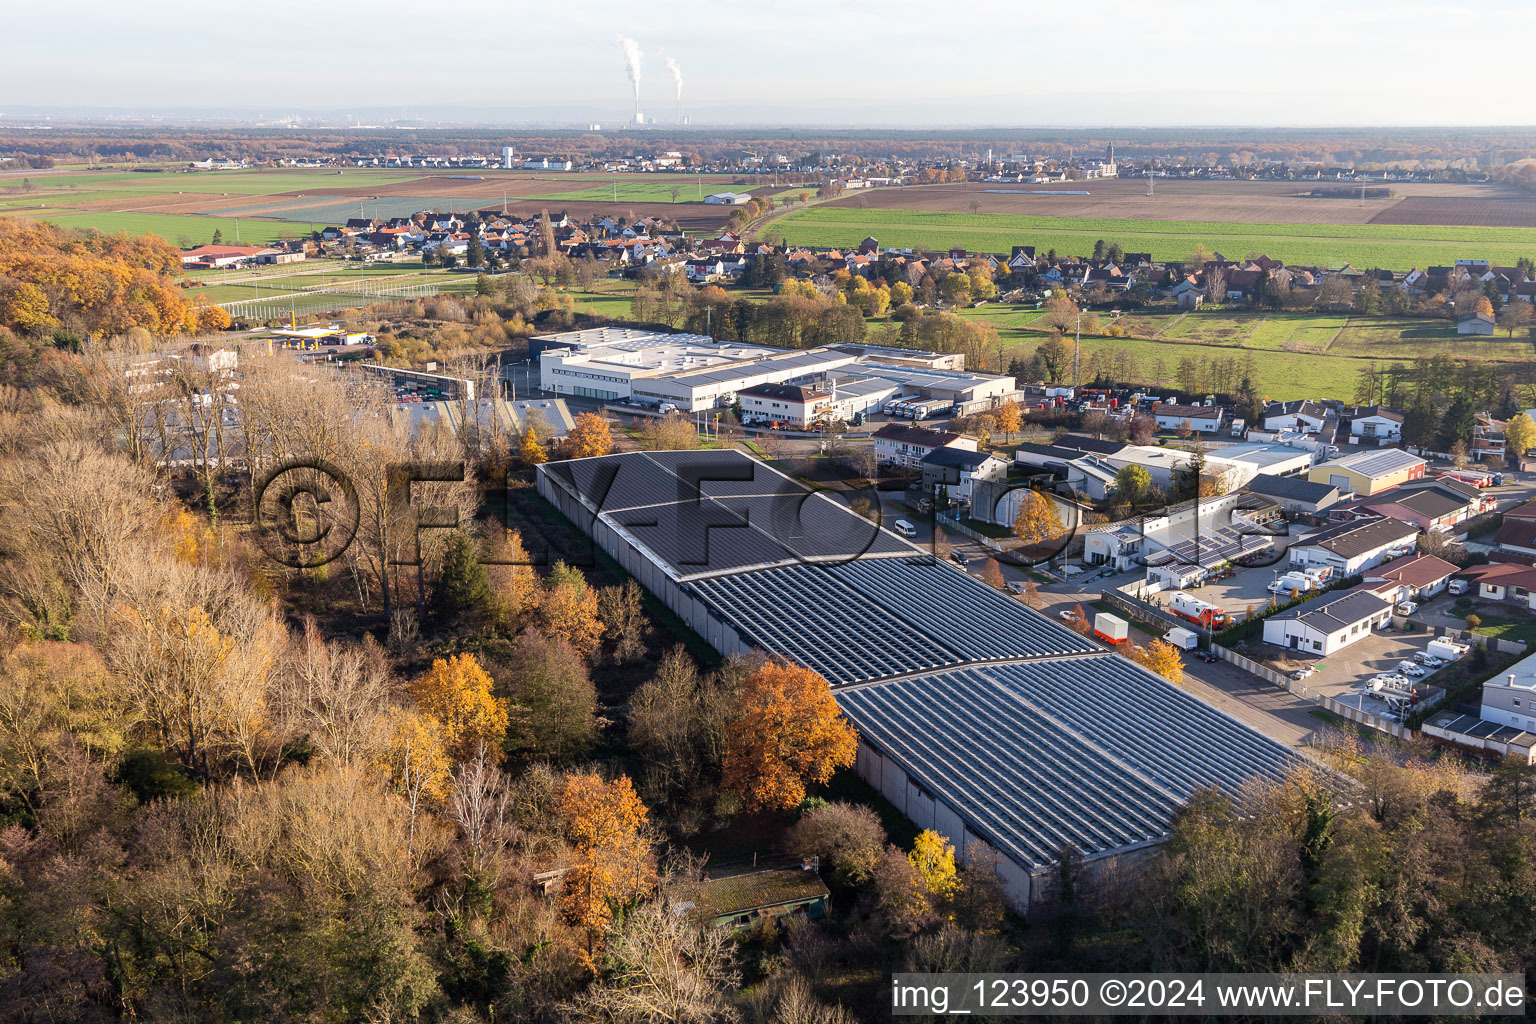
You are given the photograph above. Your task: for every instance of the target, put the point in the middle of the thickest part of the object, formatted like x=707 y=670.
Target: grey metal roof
x=879 y=617
x=1292 y=488
x=1377 y=463
x=702 y=512
x=1093 y=751
x=1334 y=613
x=1358 y=536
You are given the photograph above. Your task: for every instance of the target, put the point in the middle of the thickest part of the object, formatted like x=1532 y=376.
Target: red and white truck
x=1188 y=606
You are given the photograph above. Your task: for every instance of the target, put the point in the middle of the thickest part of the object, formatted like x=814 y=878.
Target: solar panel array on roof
x=708 y=512
x=873 y=618
x=1217 y=542
x=1091 y=751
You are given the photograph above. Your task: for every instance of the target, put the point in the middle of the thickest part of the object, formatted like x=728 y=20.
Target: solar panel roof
x=873 y=618
x=700 y=512
x=1093 y=751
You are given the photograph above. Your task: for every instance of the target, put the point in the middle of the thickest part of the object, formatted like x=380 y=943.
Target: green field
x=172 y=227
x=1398 y=246
x=1296 y=355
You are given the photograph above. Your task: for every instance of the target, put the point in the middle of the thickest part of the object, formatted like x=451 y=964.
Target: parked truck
x=1111 y=629
x=1475 y=477
x=1183 y=639
x=1201 y=613
x=1188 y=606
x=1446 y=649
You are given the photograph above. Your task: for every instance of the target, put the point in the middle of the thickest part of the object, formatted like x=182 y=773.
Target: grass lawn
x=1398 y=246
x=607 y=298
x=1387 y=338
x=1296 y=355
x=1523 y=630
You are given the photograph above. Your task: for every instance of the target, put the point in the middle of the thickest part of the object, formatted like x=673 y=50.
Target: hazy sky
x=828 y=62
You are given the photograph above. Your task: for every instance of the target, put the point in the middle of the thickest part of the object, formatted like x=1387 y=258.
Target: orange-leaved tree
x=605 y=823
x=590 y=437
x=1009 y=418
x=992 y=575
x=457 y=693
x=789 y=731
x=532 y=452
x=569 y=610
x=1038 y=522
x=1161 y=657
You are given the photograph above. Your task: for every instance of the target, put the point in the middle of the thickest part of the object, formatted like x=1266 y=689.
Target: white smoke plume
x=632 y=64
x=677 y=75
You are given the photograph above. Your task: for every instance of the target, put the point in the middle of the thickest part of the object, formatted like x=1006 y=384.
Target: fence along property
x=373 y=290
x=1151 y=613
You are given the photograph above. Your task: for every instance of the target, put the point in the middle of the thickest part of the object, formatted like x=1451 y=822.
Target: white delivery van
x=1183 y=639
x=904 y=528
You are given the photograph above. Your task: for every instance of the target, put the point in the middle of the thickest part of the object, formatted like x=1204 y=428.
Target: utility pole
x=1077 y=349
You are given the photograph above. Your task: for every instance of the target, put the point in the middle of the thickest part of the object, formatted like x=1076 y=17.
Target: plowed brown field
x=1241 y=202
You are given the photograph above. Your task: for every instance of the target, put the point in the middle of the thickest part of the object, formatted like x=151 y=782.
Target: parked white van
x=904 y=528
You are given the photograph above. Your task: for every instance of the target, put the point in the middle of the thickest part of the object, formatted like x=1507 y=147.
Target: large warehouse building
x=694 y=372
x=977 y=716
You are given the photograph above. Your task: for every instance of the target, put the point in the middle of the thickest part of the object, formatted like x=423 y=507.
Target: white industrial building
x=977 y=716
x=1326 y=625
x=694 y=372
x=798 y=406
x=1182 y=544
x=1354 y=546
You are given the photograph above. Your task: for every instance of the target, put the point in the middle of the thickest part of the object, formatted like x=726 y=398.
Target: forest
x=69 y=283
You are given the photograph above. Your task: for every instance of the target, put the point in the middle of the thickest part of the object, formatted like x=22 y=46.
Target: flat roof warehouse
x=978 y=717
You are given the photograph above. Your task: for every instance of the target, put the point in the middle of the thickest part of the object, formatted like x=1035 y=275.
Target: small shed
x=738 y=898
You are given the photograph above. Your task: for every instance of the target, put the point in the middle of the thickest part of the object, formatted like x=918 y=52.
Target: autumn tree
x=457 y=693
x=1519 y=437
x=992 y=575
x=625 y=625
x=934 y=858
x=532 y=451
x=568 y=610
x=789 y=732
x=590 y=437
x=659 y=965
x=1009 y=418
x=1161 y=657
x=204 y=686
x=672 y=432
x=605 y=824
x=335 y=693
x=848 y=837
x=514 y=585
x=1038 y=522
x=414 y=758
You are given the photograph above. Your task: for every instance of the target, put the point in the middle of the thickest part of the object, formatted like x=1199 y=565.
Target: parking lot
x=1244 y=589
x=1344 y=675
